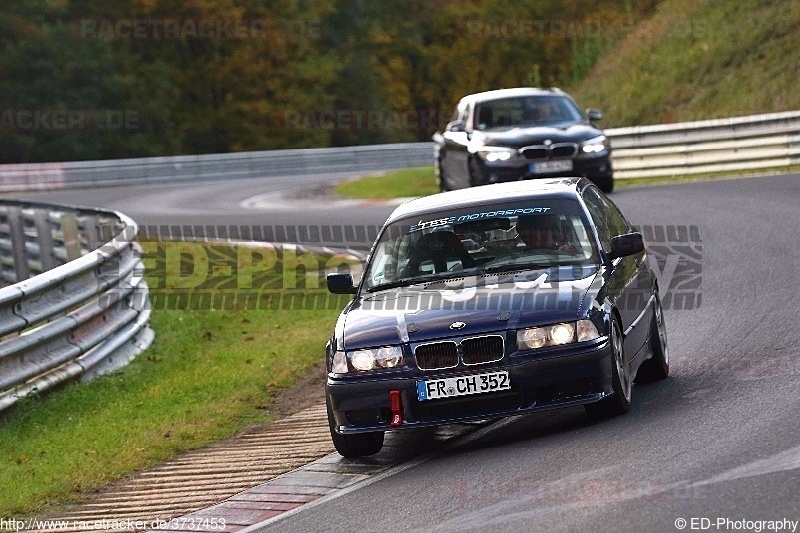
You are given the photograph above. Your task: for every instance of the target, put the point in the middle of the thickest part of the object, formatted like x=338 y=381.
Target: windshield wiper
x=416 y=280
x=510 y=268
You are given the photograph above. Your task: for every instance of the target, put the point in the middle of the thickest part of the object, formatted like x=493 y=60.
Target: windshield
x=525 y=111
x=479 y=240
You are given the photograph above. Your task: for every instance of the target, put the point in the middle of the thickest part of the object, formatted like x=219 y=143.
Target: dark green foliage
x=324 y=73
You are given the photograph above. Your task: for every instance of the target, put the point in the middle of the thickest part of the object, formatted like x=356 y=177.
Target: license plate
x=546 y=167
x=434 y=389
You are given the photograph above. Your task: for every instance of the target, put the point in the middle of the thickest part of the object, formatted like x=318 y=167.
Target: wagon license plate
x=434 y=389
x=547 y=167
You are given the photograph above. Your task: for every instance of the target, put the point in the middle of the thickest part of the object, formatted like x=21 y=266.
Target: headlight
x=493 y=154
x=556 y=335
x=368 y=359
x=593 y=146
x=363 y=360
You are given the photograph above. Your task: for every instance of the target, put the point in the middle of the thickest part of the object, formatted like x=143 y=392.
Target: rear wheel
x=620 y=402
x=657 y=367
x=358 y=445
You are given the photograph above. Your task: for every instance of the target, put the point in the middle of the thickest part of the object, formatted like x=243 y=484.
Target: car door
x=629 y=285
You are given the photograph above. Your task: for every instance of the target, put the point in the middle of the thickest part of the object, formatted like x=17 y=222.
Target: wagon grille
x=563 y=150
x=554 y=151
x=535 y=152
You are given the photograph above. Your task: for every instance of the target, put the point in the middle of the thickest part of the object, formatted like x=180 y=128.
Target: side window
x=597 y=210
x=617 y=225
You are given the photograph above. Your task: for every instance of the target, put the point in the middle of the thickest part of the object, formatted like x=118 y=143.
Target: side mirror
x=341 y=284
x=625 y=245
x=594 y=114
x=456 y=126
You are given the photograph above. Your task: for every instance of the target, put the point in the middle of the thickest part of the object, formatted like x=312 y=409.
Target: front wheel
x=358 y=445
x=620 y=402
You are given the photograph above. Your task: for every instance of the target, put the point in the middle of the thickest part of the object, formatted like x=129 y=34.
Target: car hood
x=482 y=303
x=518 y=137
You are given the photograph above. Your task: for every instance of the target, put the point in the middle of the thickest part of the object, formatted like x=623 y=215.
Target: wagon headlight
x=494 y=154
x=595 y=145
x=368 y=359
x=556 y=334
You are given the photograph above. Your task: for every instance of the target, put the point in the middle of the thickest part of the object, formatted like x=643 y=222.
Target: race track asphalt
x=719 y=439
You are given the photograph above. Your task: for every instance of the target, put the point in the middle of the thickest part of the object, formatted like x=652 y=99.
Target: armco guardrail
x=213 y=166
x=709 y=146
x=721 y=145
x=73 y=301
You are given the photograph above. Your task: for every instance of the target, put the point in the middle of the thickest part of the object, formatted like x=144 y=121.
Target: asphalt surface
x=719 y=439
x=286 y=201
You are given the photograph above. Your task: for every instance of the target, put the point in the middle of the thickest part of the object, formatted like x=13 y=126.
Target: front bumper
x=570 y=377
x=591 y=167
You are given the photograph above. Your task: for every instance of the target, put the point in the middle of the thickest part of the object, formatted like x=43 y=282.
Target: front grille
x=535 y=152
x=436 y=355
x=477 y=405
x=564 y=150
x=554 y=151
x=477 y=350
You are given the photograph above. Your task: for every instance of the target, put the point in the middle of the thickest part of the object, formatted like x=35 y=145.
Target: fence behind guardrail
x=73 y=300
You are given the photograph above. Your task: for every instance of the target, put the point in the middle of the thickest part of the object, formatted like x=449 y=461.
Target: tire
x=657 y=367
x=358 y=445
x=605 y=183
x=620 y=402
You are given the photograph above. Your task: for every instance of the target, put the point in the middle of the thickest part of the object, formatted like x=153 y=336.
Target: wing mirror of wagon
x=625 y=245
x=594 y=114
x=341 y=284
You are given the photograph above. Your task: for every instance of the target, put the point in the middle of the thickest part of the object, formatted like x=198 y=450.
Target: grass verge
x=409 y=182
x=207 y=374
x=416 y=182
